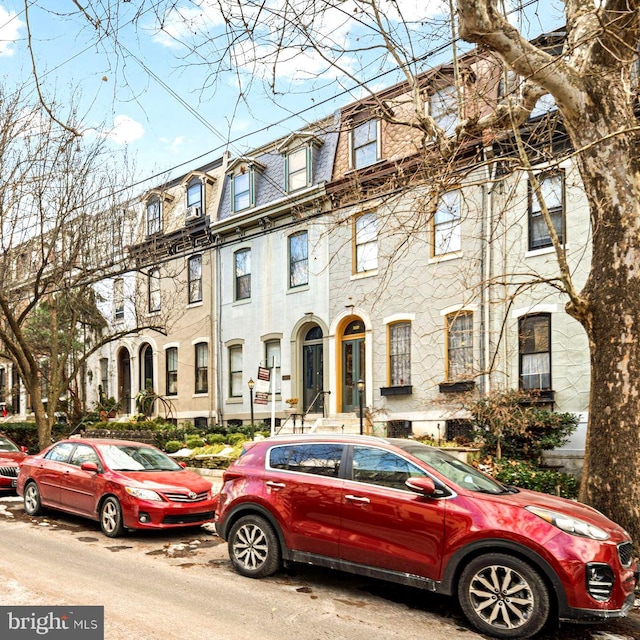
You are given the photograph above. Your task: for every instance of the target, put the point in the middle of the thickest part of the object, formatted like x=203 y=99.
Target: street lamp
x=360 y=385
x=251 y=384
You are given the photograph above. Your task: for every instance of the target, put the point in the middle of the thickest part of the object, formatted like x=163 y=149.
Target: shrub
x=194 y=441
x=215 y=438
x=527 y=475
x=25 y=434
x=235 y=439
x=509 y=426
x=172 y=446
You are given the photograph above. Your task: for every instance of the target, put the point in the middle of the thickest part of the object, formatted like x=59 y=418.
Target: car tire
x=254 y=548
x=111 y=517
x=503 y=596
x=32 y=502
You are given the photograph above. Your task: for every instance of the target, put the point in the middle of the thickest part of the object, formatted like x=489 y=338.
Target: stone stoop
x=347 y=423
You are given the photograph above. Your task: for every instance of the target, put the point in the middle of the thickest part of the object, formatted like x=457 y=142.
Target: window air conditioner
x=193 y=212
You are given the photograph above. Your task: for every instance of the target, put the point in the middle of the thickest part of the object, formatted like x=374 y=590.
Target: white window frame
x=447 y=224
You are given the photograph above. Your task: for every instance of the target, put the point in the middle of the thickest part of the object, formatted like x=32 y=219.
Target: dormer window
x=241 y=191
x=297 y=169
x=364 y=144
x=443 y=108
x=194 y=194
x=154 y=217
x=510 y=85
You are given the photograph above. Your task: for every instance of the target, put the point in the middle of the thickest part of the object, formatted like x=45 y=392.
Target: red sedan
x=11 y=456
x=121 y=484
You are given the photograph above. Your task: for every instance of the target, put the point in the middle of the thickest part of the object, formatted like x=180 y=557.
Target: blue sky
x=167 y=105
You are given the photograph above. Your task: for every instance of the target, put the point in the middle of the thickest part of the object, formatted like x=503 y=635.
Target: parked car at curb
x=121 y=484
x=408 y=513
x=11 y=457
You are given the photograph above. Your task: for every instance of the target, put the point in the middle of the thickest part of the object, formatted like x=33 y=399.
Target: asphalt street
x=181 y=585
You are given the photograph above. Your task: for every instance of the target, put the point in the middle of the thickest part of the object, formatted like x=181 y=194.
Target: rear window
x=318 y=459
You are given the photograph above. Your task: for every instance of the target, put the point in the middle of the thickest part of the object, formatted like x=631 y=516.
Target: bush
x=235 y=439
x=215 y=438
x=194 y=441
x=25 y=434
x=510 y=427
x=527 y=475
x=172 y=446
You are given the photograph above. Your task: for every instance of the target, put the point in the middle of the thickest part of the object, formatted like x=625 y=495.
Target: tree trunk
x=611 y=312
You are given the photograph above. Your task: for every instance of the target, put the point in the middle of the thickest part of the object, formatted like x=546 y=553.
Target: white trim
x=536 y=308
x=459 y=307
x=399 y=317
x=171 y=345
x=196 y=341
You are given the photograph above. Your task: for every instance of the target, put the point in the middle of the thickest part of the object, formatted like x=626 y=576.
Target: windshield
x=7 y=445
x=136 y=458
x=452 y=468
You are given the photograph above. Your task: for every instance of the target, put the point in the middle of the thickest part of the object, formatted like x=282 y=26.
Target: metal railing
x=295 y=416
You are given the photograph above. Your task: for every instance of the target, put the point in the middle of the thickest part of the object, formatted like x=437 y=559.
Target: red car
x=11 y=457
x=405 y=512
x=122 y=484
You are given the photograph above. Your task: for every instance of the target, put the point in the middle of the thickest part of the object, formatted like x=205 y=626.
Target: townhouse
x=357 y=264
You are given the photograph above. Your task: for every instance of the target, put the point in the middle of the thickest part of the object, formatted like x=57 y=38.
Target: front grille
x=600 y=581
x=184 y=497
x=189 y=518
x=9 y=472
x=625 y=553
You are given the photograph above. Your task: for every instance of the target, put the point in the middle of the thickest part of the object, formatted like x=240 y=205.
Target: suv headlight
x=568 y=524
x=143 y=494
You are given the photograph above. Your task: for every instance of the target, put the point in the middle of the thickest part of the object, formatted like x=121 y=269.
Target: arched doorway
x=146 y=368
x=124 y=380
x=352 y=363
x=313 y=371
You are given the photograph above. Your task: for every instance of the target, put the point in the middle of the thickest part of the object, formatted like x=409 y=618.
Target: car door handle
x=360 y=499
x=276 y=485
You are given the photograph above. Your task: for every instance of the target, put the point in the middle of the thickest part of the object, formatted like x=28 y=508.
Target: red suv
x=405 y=512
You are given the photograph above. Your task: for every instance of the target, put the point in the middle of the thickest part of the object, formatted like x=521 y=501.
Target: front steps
x=347 y=423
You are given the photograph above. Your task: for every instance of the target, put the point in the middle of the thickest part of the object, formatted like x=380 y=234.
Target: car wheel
x=32 y=503
x=111 y=518
x=503 y=596
x=254 y=548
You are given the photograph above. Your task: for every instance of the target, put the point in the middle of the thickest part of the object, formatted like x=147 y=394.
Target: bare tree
x=590 y=79
x=62 y=230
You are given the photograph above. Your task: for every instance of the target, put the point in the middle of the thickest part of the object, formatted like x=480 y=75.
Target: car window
x=60 y=453
x=319 y=459
x=84 y=453
x=7 y=445
x=385 y=468
x=134 y=458
x=454 y=469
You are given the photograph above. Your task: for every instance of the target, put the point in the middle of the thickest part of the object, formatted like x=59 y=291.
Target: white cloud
x=10 y=26
x=125 y=130
x=182 y=23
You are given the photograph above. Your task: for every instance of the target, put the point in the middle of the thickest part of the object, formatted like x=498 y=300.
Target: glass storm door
x=312 y=366
x=353 y=364
x=124 y=381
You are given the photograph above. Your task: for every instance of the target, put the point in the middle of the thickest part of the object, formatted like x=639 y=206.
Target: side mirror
x=89 y=466
x=24 y=449
x=421 y=484
x=183 y=464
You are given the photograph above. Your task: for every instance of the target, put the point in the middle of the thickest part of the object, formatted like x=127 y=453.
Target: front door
x=312 y=366
x=353 y=364
x=124 y=381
